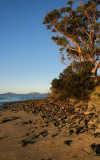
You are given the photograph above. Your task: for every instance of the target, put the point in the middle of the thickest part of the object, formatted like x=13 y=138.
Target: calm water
x=14 y=98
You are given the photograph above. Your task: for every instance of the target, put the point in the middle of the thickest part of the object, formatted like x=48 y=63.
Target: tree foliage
x=77 y=31
x=74 y=82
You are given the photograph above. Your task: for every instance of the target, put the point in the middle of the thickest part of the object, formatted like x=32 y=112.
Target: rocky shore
x=47 y=129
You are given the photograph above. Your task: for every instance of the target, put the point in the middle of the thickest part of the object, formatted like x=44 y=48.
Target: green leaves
x=65 y=9
x=70 y=2
x=77 y=29
x=52 y=16
x=60 y=40
x=74 y=82
x=95 y=26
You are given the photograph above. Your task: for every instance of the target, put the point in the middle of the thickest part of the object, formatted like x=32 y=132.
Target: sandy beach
x=47 y=133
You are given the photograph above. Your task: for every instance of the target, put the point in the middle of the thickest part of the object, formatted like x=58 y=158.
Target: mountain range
x=32 y=93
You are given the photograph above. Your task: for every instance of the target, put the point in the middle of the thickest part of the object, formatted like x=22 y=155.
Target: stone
x=90 y=131
x=46 y=120
x=96 y=148
x=77 y=109
x=68 y=142
x=74 y=130
x=51 y=124
x=41 y=136
x=82 y=123
x=97 y=130
x=1 y=119
x=68 y=133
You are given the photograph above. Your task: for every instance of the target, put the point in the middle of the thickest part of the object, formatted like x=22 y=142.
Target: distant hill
x=32 y=93
x=9 y=93
x=36 y=93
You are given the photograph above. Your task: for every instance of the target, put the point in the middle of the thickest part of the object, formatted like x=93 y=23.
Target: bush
x=74 y=82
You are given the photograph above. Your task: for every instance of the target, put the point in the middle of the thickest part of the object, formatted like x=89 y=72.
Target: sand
x=25 y=136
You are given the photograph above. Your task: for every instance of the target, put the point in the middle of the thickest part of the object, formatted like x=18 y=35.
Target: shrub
x=74 y=82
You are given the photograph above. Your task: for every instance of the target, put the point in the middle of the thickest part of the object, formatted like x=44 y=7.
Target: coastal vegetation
x=75 y=82
x=77 y=33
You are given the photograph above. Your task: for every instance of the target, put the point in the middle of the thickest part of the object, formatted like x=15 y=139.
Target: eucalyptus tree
x=77 y=31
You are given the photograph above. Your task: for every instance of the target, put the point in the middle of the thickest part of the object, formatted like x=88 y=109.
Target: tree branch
x=84 y=43
x=97 y=65
x=90 y=26
x=74 y=49
x=69 y=37
x=89 y=35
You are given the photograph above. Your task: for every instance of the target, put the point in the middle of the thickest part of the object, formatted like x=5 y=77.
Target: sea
x=15 y=98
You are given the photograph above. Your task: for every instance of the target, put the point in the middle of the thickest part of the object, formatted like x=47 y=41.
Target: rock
x=37 y=135
x=90 y=131
x=79 y=130
x=46 y=120
x=77 y=121
x=27 y=134
x=52 y=124
x=68 y=142
x=68 y=133
x=72 y=116
x=96 y=135
x=80 y=111
x=97 y=129
x=41 y=136
x=93 y=122
x=74 y=130
x=1 y=119
x=44 y=133
x=26 y=142
x=82 y=123
x=77 y=110
x=3 y=137
x=87 y=112
x=96 y=148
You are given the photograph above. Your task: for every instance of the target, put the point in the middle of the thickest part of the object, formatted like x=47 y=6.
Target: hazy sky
x=29 y=59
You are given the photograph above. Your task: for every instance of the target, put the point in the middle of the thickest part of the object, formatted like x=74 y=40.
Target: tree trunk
x=94 y=72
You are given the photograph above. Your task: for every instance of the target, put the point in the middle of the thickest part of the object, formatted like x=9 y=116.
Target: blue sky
x=29 y=60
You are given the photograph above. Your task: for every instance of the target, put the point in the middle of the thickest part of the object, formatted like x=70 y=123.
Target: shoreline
x=42 y=129
x=12 y=98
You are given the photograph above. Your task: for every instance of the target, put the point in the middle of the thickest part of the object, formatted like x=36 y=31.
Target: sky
x=29 y=59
